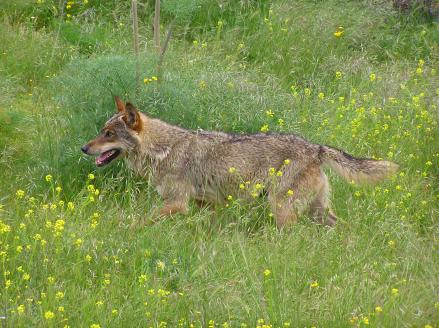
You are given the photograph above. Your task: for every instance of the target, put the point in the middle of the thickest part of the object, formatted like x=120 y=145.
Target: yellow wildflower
x=161 y=265
x=143 y=278
x=20 y=193
x=338 y=34
x=353 y=319
x=59 y=226
x=49 y=315
x=258 y=186
x=20 y=309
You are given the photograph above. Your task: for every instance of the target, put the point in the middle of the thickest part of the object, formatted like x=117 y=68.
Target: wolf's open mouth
x=107 y=156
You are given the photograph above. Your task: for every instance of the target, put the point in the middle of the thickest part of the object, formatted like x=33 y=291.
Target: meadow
x=356 y=75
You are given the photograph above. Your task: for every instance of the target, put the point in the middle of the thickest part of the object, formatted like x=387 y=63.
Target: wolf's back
x=359 y=170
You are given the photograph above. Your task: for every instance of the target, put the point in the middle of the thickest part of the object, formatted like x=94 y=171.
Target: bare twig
x=157 y=26
x=168 y=37
x=163 y=51
x=136 y=42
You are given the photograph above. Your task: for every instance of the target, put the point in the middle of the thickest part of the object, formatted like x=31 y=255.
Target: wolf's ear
x=132 y=117
x=119 y=104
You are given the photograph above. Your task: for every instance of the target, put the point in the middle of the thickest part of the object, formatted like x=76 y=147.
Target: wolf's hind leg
x=287 y=208
x=295 y=195
x=320 y=208
x=284 y=213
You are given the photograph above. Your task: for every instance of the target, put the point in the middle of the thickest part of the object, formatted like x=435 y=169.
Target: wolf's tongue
x=104 y=156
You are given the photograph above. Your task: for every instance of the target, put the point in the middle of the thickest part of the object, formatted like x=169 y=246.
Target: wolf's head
x=118 y=136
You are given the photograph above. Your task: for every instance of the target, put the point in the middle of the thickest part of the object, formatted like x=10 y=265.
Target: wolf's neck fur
x=156 y=141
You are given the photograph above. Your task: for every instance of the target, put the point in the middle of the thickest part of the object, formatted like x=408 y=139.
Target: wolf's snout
x=85 y=149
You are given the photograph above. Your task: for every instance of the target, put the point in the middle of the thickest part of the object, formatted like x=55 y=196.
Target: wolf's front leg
x=175 y=192
x=159 y=213
x=170 y=207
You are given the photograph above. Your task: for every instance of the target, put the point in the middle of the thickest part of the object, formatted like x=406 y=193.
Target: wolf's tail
x=359 y=170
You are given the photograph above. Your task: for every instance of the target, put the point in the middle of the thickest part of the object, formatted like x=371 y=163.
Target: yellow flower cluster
x=147 y=80
x=339 y=32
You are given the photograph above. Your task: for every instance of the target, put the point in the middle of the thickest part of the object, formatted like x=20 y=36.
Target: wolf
x=216 y=167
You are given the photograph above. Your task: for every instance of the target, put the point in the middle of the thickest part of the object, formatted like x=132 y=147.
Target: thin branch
x=136 y=42
x=163 y=50
x=157 y=26
x=168 y=37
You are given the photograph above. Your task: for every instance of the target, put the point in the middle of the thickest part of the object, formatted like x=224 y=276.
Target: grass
x=67 y=254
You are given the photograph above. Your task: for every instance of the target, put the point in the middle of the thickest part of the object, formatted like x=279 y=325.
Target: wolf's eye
x=109 y=133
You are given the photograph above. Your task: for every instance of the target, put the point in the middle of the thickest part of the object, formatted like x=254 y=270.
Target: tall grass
x=67 y=254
